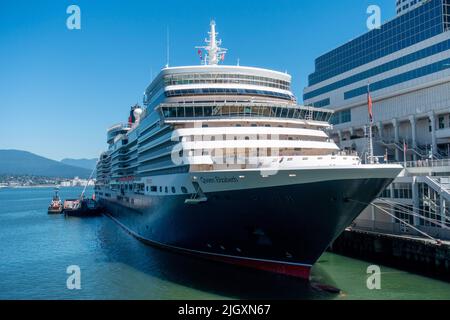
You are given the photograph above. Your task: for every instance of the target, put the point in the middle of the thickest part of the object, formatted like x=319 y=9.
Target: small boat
x=55 y=206
x=82 y=208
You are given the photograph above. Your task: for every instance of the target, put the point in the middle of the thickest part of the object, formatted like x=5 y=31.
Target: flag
x=405 y=146
x=369 y=104
x=222 y=57
x=200 y=53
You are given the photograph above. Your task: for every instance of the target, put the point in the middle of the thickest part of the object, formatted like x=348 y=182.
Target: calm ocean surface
x=36 y=249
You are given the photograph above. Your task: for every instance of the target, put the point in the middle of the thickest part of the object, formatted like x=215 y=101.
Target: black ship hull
x=282 y=229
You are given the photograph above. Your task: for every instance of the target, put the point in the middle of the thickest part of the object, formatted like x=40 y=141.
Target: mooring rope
x=393 y=216
x=412 y=213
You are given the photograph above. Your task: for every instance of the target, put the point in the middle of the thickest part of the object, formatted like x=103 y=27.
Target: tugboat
x=55 y=206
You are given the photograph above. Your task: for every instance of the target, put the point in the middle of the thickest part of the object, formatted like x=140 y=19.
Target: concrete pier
x=408 y=253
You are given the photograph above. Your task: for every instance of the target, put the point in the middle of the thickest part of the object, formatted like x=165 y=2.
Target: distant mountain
x=82 y=163
x=17 y=162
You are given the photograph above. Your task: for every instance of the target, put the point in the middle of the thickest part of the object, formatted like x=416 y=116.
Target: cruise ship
x=222 y=163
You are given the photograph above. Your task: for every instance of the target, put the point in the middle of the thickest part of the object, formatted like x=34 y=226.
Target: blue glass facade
x=341 y=117
x=415 y=56
x=407 y=76
x=426 y=21
x=322 y=103
x=447 y=14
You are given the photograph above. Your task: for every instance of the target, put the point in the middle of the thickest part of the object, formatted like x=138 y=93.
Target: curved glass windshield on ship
x=215 y=91
x=177 y=111
x=217 y=78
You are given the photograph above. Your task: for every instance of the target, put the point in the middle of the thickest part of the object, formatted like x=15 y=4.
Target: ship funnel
x=137 y=114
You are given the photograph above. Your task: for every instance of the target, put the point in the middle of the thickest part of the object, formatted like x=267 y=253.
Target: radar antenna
x=214 y=54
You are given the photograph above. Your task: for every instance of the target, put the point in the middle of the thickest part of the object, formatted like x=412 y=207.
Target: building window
x=401 y=213
x=386 y=193
x=341 y=117
x=441 y=123
x=400 y=78
x=379 y=69
x=429 y=205
x=402 y=191
x=321 y=103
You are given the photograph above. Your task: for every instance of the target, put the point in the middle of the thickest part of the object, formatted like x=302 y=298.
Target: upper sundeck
x=207 y=76
x=212 y=79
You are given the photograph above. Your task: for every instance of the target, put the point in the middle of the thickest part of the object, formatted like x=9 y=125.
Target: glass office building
x=422 y=23
x=413 y=47
x=406 y=65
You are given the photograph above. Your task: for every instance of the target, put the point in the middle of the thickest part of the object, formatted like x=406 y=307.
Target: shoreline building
x=406 y=63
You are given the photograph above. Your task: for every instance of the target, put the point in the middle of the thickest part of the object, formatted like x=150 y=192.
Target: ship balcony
x=115 y=130
x=243 y=162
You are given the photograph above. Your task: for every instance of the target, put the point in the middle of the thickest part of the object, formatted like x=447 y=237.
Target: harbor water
x=37 y=249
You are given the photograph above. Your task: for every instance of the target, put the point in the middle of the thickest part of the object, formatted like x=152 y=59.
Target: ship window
x=173 y=190
x=146 y=188
x=189 y=112
x=184 y=190
x=166 y=190
x=154 y=189
x=199 y=112
x=160 y=189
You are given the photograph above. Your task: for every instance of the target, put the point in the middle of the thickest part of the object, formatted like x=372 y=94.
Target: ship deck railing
x=427 y=163
x=207 y=111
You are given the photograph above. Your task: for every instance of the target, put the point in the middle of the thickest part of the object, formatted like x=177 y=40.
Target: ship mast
x=214 y=53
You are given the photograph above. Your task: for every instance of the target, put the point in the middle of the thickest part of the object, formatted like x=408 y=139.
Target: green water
x=36 y=249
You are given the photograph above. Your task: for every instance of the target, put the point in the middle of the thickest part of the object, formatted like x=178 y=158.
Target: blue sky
x=60 y=89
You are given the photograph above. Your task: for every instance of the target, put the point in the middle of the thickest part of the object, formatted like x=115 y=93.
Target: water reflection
x=219 y=279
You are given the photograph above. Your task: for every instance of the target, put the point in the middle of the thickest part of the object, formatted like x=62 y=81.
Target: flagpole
x=371 y=157
x=369 y=102
x=404 y=152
